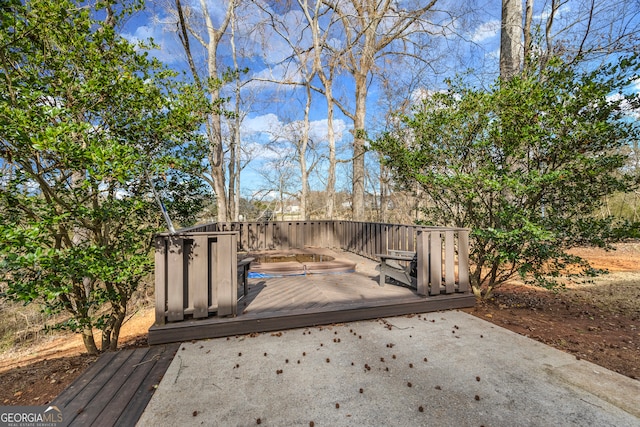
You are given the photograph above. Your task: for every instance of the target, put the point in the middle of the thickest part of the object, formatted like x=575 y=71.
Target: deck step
x=116 y=389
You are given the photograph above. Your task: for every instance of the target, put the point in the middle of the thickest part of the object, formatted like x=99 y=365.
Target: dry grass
x=25 y=326
x=22 y=325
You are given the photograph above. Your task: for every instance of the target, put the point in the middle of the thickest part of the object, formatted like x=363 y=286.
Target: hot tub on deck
x=295 y=262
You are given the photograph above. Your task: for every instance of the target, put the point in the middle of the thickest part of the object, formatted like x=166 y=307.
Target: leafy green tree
x=85 y=118
x=184 y=196
x=524 y=165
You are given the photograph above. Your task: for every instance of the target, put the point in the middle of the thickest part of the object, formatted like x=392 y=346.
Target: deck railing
x=196 y=268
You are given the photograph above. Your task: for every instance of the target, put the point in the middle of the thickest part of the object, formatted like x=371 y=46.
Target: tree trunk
x=302 y=147
x=528 y=43
x=234 y=148
x=115 y=333
x=510 y=38
x=331 y=138
x=215 y=155
x=357 y=206
x=383 y=194
x=89 y=341
x=326 y=77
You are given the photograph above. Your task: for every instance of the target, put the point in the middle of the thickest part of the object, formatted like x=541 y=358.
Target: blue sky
x=468 y=45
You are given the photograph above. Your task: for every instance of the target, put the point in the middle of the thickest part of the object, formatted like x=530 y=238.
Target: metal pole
x=167 y=218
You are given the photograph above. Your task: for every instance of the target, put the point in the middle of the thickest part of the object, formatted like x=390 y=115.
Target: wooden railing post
x=463 y=261
x=175 y=279
x=225 y=266
x=199 y=276
x=422 y=278
x=160 y=244
x=449 y=262
x=435 y=262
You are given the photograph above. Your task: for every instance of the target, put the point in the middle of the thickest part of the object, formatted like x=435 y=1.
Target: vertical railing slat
x=422 y=273
x=226 y=268
x=213 y=279
x=199 y=276
x=161 y=279
x=293 y=234
x=402 y=234
x=175 y=279
x=435 y=262
x=463 y=261
x=270 y=236
x=449 y=262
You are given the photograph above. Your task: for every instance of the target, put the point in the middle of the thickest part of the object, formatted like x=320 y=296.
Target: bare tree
x=306 y=68
x=198 y=25
x=325 y=70
x=235 y=142
x=582 y=30
x=280 y=176
x=368 y=28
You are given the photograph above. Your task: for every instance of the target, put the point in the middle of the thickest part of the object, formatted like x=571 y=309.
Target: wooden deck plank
x=72 y=408
x=449 y=262
x=317 y=290
x=175 y=278
x=160 y=279
x=271 y=295
x=199 y=276
x=463 y=262
x=306 y=294
x=129 y=388
x=225 y=272
x=163 y=355
x=435 y=264
x=116 y=389
x=280 y=292
x=92 y=411
x=340 y=288
x=76 y=387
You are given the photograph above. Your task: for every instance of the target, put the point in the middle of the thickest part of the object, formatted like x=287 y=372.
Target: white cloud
x=625 y=105
x=168 y=50
x=267 y=123
x=494 y=54
x=271 y=127
x=335 y=43
x=319 y=129
x=260 y=152
x=486 y=31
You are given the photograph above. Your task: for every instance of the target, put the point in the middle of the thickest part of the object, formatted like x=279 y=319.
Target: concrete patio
x=442 y=369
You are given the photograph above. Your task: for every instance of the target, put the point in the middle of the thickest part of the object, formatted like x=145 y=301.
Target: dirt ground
x=35 y=375
x=598 y=321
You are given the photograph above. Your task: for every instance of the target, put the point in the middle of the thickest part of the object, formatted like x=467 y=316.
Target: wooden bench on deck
x=399 y=265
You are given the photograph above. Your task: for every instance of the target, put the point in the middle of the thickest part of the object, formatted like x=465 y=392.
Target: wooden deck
x=300 y=301
x=116 y=389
